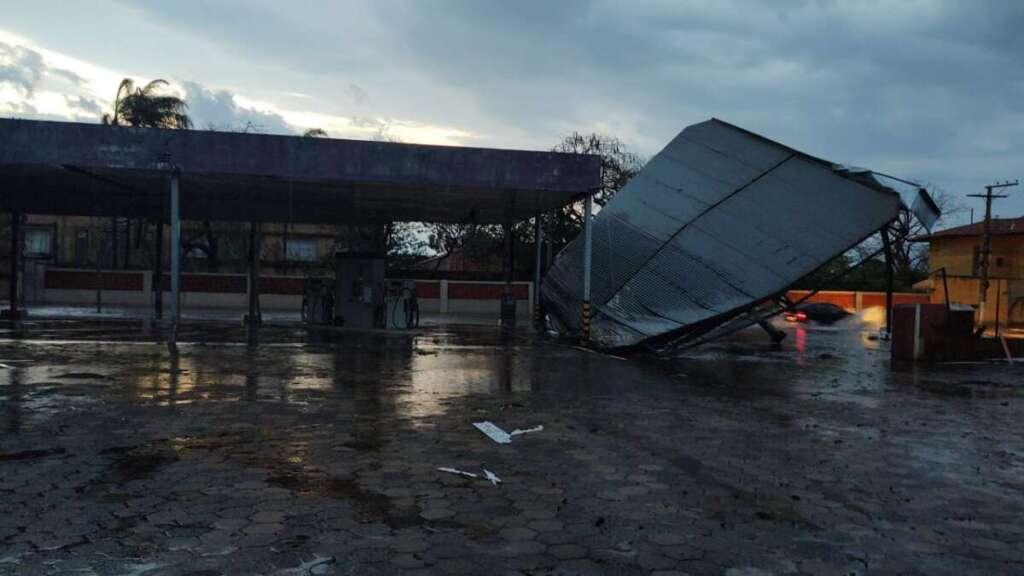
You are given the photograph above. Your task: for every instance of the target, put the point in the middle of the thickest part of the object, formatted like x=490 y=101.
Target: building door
x=33 y=283
x=82 y=249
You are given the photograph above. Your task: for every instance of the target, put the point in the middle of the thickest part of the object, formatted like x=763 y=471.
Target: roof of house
x=1000 y=227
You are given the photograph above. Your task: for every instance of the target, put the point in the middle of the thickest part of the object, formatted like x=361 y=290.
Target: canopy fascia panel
x=96 y=170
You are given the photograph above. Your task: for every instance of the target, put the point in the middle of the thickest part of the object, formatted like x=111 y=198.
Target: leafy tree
x=315 y=133
x=146 y=106
x=479 y=242
x=909 y=258
x=618 y=166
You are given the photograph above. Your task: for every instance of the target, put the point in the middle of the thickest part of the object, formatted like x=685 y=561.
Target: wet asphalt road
x=317 y=453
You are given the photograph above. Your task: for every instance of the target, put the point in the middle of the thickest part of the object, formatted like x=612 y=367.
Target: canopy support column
x=12 y=313
x=889 y=280
x=175 y=246
x=538 y=319
x=588 y=208
x=508 y=297
x=158 y=271
x=254 y=317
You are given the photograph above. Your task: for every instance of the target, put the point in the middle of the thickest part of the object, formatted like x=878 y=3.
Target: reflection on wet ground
x=317 y=452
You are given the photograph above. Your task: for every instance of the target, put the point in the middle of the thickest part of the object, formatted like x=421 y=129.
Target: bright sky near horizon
x=931 y=90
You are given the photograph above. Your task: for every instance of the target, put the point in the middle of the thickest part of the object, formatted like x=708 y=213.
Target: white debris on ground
x=493 y=432
x=519 y=431
x=500 y=436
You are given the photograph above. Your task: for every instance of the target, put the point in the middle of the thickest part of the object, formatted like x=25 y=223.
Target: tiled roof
x=1000 y=227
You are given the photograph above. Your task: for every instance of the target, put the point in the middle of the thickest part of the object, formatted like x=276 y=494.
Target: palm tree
x=145 y=106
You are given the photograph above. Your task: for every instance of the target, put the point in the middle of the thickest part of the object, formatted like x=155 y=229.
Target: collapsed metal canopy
x=719 y=221
x=67 y=168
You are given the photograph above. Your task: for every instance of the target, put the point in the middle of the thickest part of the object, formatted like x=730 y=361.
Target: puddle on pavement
x=971 y=388
x=81 y=376
x=368 y=506
x=31 y=454
x=139 y=465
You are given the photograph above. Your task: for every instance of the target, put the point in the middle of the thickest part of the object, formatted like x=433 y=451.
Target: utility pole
x=986 y=246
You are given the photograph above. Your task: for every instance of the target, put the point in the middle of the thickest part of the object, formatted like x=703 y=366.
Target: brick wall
x=857 y=301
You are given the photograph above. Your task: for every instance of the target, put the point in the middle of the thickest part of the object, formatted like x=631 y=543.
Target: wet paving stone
x=319 y=455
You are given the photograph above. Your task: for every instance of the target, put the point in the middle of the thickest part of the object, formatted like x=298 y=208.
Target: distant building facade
x=68 y=260
x=118 y=244
x=959 y=251
x=57 y=251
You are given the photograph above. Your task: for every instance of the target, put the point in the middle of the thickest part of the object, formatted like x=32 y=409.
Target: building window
x=300 y=249
x=38 y=243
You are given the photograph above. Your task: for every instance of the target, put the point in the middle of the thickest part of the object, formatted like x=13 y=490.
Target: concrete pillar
x=588 y=208
x=508 y=300
x=531 y=299
x=858 y=301
x=175 y=246
x=253 y=318
x=443 y=304
x=158 y=271
x=113 y=243
x=12 y=312
x=510 y=253
x=535 y=289
x=887 y=248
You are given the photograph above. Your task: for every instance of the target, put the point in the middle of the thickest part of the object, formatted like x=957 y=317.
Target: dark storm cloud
x=930 y=89
x=276 y=32
x=217 y=109
x=21 y=67
x=84 y=106
x=25 y=69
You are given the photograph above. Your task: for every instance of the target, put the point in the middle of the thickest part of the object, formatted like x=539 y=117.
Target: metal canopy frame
x=64 y=168
x=718 y=221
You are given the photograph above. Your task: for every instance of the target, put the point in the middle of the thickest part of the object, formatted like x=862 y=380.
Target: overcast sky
x=925 y=89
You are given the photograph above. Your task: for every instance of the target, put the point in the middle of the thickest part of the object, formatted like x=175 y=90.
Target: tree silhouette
x=146 y=106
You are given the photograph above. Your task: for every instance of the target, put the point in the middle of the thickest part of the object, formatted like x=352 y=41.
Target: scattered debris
x=458 y=472
x=675 y=272
x=493 y=432
x=487 y=475
x=499 y=435
x=519 y=431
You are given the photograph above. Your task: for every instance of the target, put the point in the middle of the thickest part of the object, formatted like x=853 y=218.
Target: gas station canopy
x=65 y=168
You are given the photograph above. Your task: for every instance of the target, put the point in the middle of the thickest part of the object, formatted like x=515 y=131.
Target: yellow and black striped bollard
x=585 y=329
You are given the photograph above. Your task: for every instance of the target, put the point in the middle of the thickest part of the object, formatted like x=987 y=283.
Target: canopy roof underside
x=94 y=170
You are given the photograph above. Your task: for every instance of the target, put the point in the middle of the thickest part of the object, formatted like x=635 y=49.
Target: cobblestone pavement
x=317 y=454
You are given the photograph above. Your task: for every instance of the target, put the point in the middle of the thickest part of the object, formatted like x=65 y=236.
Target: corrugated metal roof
x=718 y=221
